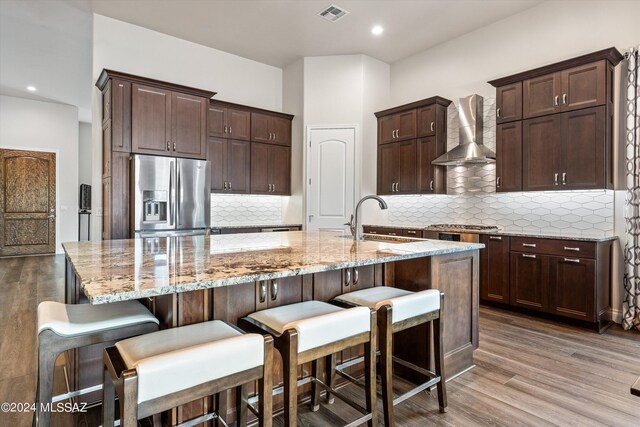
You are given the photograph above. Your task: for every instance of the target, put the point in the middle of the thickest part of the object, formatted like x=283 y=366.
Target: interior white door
x=331 y=183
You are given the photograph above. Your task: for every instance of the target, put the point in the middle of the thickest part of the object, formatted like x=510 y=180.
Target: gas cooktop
x=463 y=227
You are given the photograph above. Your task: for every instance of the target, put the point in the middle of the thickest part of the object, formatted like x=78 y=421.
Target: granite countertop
x=254 y=226
x=116 y=270
x=567 y=236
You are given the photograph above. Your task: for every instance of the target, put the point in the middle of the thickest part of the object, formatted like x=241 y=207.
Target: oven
x=451 y=236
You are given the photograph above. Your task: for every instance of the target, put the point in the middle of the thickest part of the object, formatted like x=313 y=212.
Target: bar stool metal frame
x=287 y=344
x=120 y=380
x=51 y=345
x=386 y=329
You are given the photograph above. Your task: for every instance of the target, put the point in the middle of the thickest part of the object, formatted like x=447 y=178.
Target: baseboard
x=615 y=315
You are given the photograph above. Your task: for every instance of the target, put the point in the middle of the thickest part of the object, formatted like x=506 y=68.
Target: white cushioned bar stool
x=399 y=310
x=64 y=327
x=312 y=331
x=156 y=372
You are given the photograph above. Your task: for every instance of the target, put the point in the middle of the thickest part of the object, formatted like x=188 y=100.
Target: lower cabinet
x=567 y=278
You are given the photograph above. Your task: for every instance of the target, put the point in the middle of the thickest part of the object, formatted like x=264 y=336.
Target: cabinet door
x=387 y=168
x=121 y=116
x=239 y=124
x=106 y=209
x=572 y=288
x=150 y=120
x=407 y=164
x=106 y=149
x=283 y=291
x=120 y=191
x=216 y=154
x=260 y=183
x=216 y=121
x=238 y=166
x=529 y=281
x=281 y=129
x=260 y=127
x=406 y=125
x=387 y=126
x=494 y=269
x=509 y=157
x=189 y=116
x=509 y=103
x=583 y=149
x=584 y=86
x=541 y=139
x=431 y=178
x=280 y=169
x=541 y=95
x=427 y=120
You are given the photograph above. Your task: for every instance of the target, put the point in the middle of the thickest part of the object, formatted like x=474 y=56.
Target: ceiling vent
x=333 y=13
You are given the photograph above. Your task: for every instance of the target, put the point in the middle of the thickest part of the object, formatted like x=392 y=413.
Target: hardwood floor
x=529 y=372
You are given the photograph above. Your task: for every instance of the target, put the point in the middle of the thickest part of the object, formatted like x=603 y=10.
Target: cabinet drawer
x=383 y=231
x=571 y=248
x=412 y=233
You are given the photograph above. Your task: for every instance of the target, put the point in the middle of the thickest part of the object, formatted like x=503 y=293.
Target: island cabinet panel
x=529 y=281
x=509 y=103
x=509 y=157
x=494 y=269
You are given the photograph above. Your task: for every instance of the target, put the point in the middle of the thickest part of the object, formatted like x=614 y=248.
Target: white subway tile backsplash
x=235 y=209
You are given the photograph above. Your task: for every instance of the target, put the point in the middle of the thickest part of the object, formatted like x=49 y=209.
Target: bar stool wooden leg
x=108 y=398
x=318 y=370
x=385 y=329
x=370 y=374
x=265 y=386
x=222 y=405
x=157 y=420
x=438 y=328
x=330 y=375
x=290 y=371
x=241 y=405
x=129 y=412
x=46 y=366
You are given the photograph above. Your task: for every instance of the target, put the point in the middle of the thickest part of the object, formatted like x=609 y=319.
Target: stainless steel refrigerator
x=171 y=196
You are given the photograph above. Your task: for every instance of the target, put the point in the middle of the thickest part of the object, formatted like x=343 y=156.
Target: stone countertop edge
x=215 y=227
x=503 y=233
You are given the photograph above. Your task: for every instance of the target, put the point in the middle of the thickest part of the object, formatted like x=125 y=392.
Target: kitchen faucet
x=356 y=227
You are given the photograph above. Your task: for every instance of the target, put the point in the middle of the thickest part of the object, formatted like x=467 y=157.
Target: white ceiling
x=48 y=43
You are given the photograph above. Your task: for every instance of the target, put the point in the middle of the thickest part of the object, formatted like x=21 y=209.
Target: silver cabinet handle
x=393 y=187
x=495 y=238
x=347 y=277
x=574 y=260
x=275 y=136
x=263 y=290
x=356 y=276
x=555 y=101
x=564 y=178
x=529 y=245
x=270 y=188
x=270 y=136
x=174 y=146
x=274 y=290
x=555 y=178
x=397 y=186
x=498 y=182
x=431 y=185
x=225 y=128
x=529 y=256
x=391 y=234
x=229 y=185
x=274 y=187
x=229 y=129
x=564 y=99
x=567 y=248
x=498 y=112
x=412 y=232
x=433 y=126
x=225 y=185
x=168 y=145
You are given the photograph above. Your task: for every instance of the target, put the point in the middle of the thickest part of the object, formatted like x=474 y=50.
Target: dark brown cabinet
x=116 y=114
x=567 y=130
x=427 y=120
x=509 y=103
x=509 y=157
x=397 y=127
x=572 y=289
x=397 y=168
x=270 y=169
x=230 y=165
x=494 y=269
x=270 y=129
x=529 y=281
x=224 y=122
x=431 y=179
x=167 y=123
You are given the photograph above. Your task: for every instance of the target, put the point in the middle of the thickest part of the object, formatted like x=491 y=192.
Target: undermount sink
x=385 y=239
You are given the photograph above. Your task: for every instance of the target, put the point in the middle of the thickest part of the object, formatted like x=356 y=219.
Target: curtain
x=631 y=303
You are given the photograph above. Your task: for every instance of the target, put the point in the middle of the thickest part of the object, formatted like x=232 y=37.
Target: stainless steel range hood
x=470 y=150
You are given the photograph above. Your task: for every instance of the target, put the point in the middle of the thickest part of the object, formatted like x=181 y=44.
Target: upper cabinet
x=564 y=113
x=270 y=128
x=232 y=123
x=410 y=137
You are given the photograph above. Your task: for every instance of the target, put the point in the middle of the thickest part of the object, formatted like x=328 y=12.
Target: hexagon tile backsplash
x=570 y=213
x=235 y=209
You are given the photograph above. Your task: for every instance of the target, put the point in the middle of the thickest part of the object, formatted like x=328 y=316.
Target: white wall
x=85 y=168
x=293 y=103
x=45 y=126
x=550 y=32
x=129 y=48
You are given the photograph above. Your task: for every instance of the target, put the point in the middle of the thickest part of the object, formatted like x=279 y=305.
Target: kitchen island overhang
x=187 y=280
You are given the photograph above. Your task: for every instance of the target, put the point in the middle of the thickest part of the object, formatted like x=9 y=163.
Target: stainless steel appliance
x=171 y=196
x=457 y=232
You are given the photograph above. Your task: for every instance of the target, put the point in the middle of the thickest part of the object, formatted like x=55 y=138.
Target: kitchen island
x=186 y=280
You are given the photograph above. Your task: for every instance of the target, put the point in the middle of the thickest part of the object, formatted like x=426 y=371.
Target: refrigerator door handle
x=172 y=191
x=178 y=193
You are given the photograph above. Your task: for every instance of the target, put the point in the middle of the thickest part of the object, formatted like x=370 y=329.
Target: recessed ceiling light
x=377 y=30
x=31 y=88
